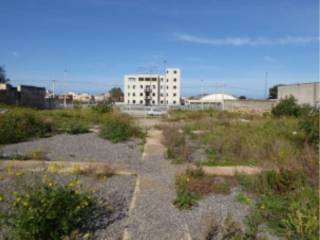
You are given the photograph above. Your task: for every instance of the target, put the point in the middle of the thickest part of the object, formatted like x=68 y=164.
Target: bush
x=309 y=123
x=285 y=202
x=16 y=126
x=175 y=142
x=119 y=129
x=76 y=127
x=185 y=198
x=104 y=107
x=286 y=107
x=48 y=211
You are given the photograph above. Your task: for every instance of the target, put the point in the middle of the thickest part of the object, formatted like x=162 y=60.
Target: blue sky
x=230 y=42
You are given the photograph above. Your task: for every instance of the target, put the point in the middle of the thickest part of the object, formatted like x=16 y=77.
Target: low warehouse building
x=305 y=93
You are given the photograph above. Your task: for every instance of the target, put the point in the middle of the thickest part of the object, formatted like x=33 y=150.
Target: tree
x=273 y=91
x=242 y=97
x=3 y=77
x=116 y=95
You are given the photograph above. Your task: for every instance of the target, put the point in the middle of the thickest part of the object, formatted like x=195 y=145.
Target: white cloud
x=246 y=41
x=15 y=54
x=269 y=59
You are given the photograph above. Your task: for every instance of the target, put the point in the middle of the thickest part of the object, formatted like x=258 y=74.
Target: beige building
x=153 y=89
x=305 y=93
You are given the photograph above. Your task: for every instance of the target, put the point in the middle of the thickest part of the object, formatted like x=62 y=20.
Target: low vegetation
x=20 y=124
x=47 y=210
x=194 y=184
x=283 y=199
x=119 y=128
x=286 y=201
x=243 y=139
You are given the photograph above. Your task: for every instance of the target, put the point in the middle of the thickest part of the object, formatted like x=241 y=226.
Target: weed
x=48 y=211
x=22 y=125
x=119 y=129
x=175 y=142
x=285 y=202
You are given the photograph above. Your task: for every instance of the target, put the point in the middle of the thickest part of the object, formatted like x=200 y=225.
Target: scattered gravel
x=81 y=147
x=114 y=196
x=154 y=215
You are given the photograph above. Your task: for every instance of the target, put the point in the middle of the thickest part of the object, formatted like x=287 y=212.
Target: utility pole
x=223 y=91
x=266 y=85
x=201 y=84
x=165 y=82
x=53 y=88
x=65 y=96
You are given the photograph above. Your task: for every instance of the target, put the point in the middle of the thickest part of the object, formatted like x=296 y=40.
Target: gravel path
x=153 y=215
x=82 y=147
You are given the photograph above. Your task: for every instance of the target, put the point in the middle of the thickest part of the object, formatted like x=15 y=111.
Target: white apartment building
x=153 y=89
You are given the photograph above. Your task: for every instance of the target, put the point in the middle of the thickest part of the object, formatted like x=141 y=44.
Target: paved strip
x=152 y=214
x=231 y=170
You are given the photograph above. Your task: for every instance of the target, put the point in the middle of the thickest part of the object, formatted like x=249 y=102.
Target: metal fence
x=142 y=110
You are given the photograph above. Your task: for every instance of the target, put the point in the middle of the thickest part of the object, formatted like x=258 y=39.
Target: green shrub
x=119 y=129
x=285 y=202
x=76 y=127
x=48 y=211
x=16 y=126
x=104 y=107
x=175 y=142
x=309 y=123
x=185 y=199
x=286 y=107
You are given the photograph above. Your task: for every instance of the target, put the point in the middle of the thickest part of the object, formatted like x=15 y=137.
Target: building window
x=153 y=102
x=141 y=86
x=128 y=86
x=161 y=87
x=167 y=95
x=154 y=86
x=134 y=86
x=174 y=87
x=141 y=101
x=141 y=94
x=161 y=95
x=128 y=101
x=167 y=80
x=174 y=102
x=153 y=94
x=167 y=72
x=161 y=79
x=174 y=94
x=133 y=94
x=175 y=72
x=134 y=101
x=128 y=94
x=174 y=79
x=167 y=87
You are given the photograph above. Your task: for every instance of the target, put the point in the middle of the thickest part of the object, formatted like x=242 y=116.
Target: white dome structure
x=217 y=97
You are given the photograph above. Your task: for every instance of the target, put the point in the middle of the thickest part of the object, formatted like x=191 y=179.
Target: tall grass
x=20 y=124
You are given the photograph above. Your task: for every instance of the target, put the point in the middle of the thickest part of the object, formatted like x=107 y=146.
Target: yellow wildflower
x=18 y=173
x=76 y=169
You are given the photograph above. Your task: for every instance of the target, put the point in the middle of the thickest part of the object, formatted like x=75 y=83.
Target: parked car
x=155 y=112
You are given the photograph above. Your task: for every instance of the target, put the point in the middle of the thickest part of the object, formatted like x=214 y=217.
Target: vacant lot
x=284 y=146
